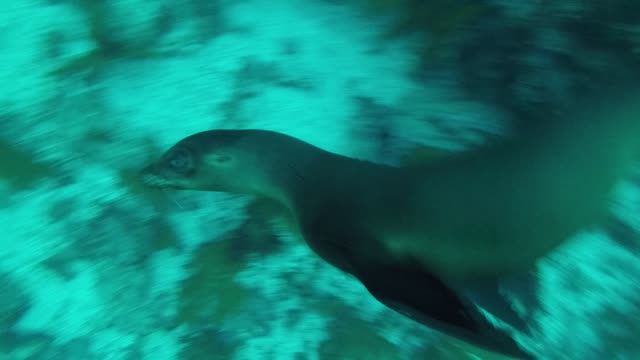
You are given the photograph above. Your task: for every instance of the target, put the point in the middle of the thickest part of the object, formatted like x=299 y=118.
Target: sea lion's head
x=215 y=160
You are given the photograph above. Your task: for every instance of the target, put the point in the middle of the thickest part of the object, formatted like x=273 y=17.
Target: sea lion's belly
x=340 y=239
x=329 y=252
x=451 y=259
x=329 y=244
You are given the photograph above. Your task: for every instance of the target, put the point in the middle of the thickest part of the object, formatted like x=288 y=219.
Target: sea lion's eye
x=180 y=161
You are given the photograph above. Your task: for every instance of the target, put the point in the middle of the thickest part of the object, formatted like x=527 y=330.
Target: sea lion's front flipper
x=489 y=297
x=416 y=293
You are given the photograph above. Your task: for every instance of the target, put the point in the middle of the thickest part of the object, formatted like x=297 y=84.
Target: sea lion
x=413 y=234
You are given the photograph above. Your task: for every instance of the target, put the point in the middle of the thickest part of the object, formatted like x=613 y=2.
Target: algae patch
x=207 y=345
x=356 y=339
x=210 y=293
x=20 y=168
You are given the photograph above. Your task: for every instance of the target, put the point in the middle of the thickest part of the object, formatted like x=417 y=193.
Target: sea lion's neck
x=286 y=168
x=298 y=174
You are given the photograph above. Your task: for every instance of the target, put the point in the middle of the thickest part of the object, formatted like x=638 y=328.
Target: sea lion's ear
x=218 y=158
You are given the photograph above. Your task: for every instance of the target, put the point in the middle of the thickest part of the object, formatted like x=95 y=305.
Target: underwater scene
x=319 y=179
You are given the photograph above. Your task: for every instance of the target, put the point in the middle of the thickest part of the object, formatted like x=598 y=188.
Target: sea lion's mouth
x=151 y=179
x=155 y=181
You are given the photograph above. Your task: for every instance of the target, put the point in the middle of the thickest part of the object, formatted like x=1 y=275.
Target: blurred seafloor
x=93 y=266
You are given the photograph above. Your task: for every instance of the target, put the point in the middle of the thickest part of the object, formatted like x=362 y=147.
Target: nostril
x=147 y=179
x=148 y=175
x=148 y=170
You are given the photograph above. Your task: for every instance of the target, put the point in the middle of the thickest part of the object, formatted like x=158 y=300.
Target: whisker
x=173 y=197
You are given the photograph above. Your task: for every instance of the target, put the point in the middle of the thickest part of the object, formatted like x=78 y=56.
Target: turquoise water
x=94 y=265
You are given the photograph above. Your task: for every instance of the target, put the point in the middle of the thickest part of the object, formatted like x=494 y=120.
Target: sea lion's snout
x=151 y=178
x=156 y=176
